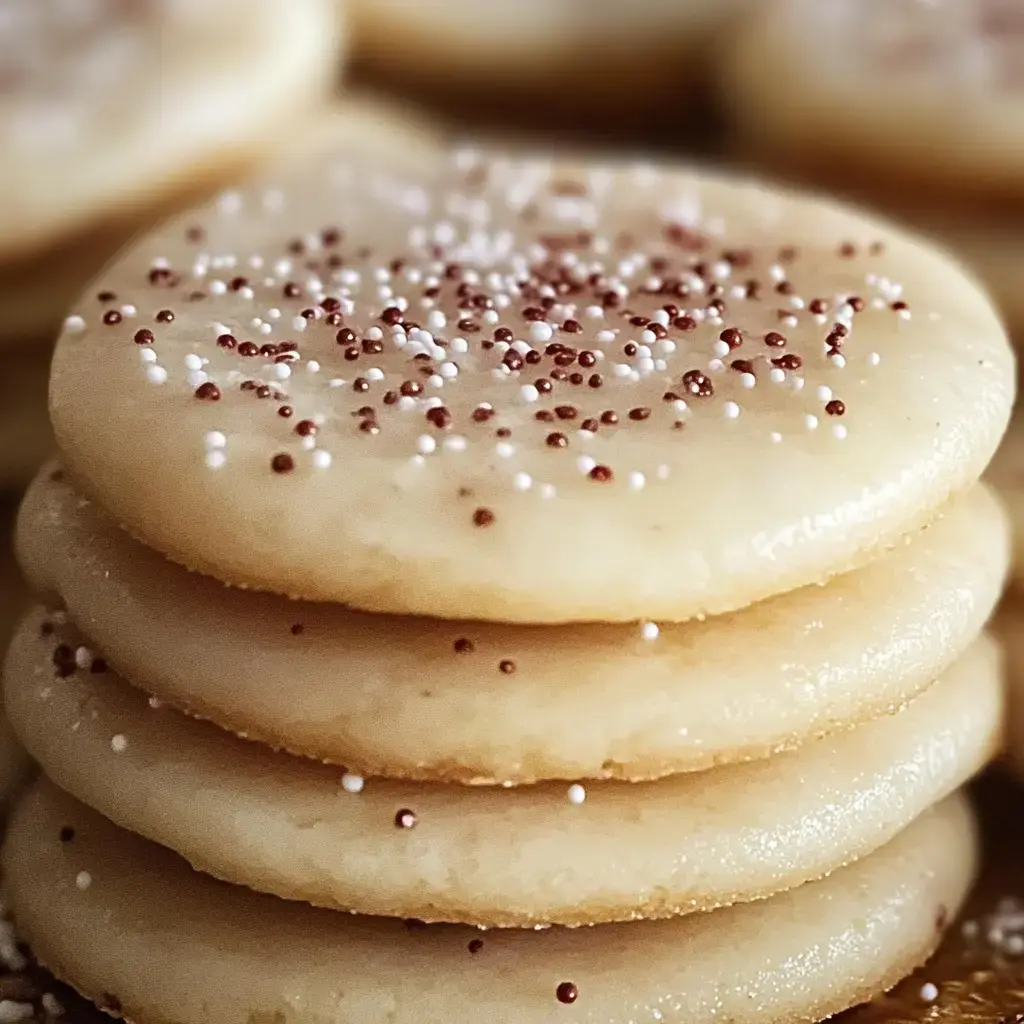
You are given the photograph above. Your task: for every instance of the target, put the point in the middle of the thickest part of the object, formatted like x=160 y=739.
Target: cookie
x=496 y=59
x=896 y=98
x=25 y=436
x=1008 y=625
x=492 y=452
x=493 y=857
x=1006 y=475
x=132 y=926
x=142 y=99
x=472 y=702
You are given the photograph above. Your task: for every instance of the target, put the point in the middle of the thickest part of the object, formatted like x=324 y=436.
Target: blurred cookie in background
x=594 y=67
x=894 y=98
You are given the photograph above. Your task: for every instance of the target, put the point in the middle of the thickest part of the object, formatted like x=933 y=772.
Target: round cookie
x=131 y=925
x=1006 y=475
x=476 y=702
x=25 y=436
x=493 y=857
x=366 y=462
x=892 y=97
x=142 y=99
x=501 y=57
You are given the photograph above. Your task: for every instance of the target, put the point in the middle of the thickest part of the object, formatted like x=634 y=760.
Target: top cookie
x=107 y=103
x=874 y=94
x=502 y=388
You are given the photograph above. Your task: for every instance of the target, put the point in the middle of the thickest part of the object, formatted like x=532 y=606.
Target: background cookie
x=531 y=517
x=85 y=94
x=135 y=928
x=497 y=59
x=477 y=702
x=897 y=98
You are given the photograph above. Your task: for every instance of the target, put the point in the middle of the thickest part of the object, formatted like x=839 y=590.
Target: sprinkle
x=215 y=459
x=156 y=375
x=577 y=794
x=636 y=480
x=811 y=422
x=74 y=324
x=929 y=992
x=567 y=993
x=119 y=743
x=214 y=440
x=352 y=783
x=322 y=459
x=732 y=410
x=83 y=880
x=650 y=631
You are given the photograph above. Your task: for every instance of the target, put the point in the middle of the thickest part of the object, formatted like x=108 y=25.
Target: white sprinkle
x=197 y=377
x=322 y=459
x=777 y=375
x=352 y=783
x=83 y=880
x=505 y=450
x=838 y=360
x=529 y=393
x=374 y=373
x=119 y=743
x=825 y=393
x=147 y=355
x=603 y=337
x=426 y=444
x=585 y=463
x=811 y=422
x=650 y=631
x=522 y=481
x=663 y=471
x=312 y=366
x=193 y=362
x=74 y=324
x=156 y=375
x=577 y=794
x=929 y=993
x=732 y=410
x=839 y=431
x=215 y=459
x=547 y=490
x=540 y=331
x=448 y=370
x=282 y=370
x=720 y=349
x=456 y=443
x=776 y=437
x=215 y=439
x=748 y=380
x=636 y=480
x=874 y=359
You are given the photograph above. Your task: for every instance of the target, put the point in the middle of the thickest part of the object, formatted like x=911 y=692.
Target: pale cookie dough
x=590 y=61
x=1006 y=475
x=819 y=393
x=893 y=97
x=546 y=854
x=472 y=702
x=106 y=105
x=25 y=436
x=134 y=927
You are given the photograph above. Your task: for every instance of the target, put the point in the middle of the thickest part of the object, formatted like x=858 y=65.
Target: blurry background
x=114 y=113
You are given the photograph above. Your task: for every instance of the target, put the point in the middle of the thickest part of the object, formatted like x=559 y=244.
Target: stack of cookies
x=588 y=576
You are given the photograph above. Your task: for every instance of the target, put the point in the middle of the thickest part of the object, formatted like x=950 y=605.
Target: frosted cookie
x=1006 y=475
x=476 y=702
x=135 y=928
x=886 y=96
x=494 y=857
x=506 y=53
x=81 y=90
x=25 y=435
x=502 y=389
